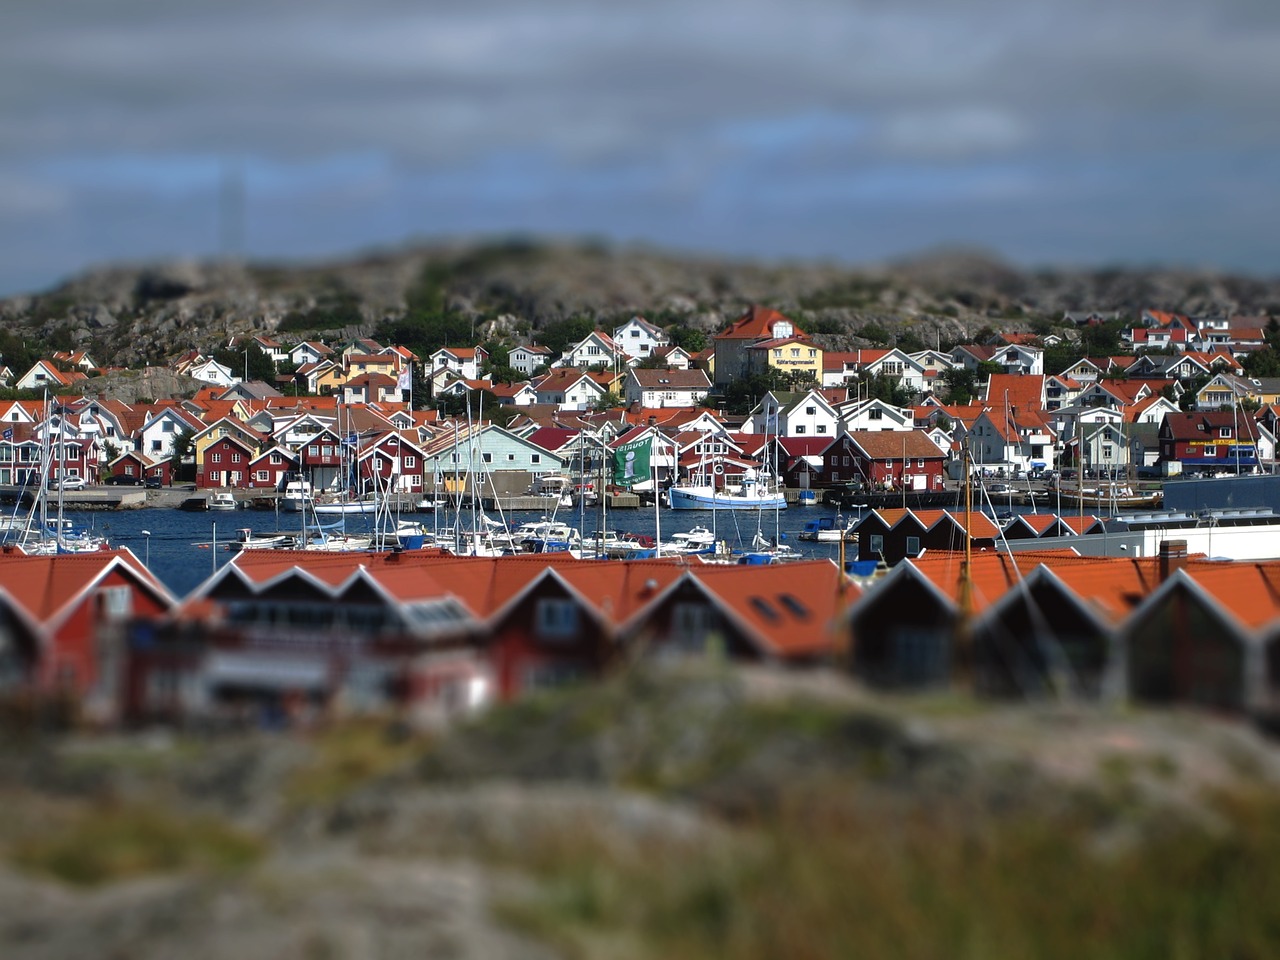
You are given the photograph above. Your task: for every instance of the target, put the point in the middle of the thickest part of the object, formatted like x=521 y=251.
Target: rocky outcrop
x=150 y=313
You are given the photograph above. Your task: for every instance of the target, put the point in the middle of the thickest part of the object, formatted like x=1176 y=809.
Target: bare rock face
x=131 y=315
x=147 y=383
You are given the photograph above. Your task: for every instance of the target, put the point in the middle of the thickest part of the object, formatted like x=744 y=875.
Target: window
x=1210 y=452
x=215 y=458
x=813 y=353
x=264 y=476
x=777 y=352
x=410 y=462
x=690 y=621
x=215 y=477
x=117 y=602
x=799 y=429
x=535 y=458
x=487 y=457
x=835 y=475
x=913 y=546
x=156 y=445
x=555 y=618
x=235 y=458
x=822 y=428
x=920 y=462
x=846 y=462
x=811 y=410
x=1224 y=432
x=166 y=426
x=877 y=544
x=875 y=413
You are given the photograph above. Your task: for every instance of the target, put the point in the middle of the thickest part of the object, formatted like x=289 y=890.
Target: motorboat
x=247 y=539
x=223 y=500
x=296 y=496
x=828 y=530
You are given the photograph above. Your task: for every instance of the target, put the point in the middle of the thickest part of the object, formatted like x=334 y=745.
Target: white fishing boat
x=710 y=491
x=296 y=496
x=223 y=500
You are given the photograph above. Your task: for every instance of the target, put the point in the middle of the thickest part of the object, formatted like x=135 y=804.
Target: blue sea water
x=183 y=548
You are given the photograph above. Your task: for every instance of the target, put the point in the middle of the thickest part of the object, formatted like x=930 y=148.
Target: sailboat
x=39 y=534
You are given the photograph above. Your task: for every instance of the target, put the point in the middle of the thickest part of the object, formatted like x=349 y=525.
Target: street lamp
x=147 y=554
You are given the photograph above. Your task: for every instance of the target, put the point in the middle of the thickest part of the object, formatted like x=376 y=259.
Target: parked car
x=154 y=482
x=123 y=480
x=67 y=483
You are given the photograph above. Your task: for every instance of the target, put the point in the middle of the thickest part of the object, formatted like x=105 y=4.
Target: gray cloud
x=780 y=129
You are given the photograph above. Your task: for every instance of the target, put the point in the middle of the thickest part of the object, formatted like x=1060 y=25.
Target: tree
x=875 y=333
x=961 y=384
x=1262 y=363
x=742 y=394
x=182 y=452
x=251 y=359
x=687 y=338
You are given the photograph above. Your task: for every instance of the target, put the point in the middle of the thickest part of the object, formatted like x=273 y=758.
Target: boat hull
x=705 y=498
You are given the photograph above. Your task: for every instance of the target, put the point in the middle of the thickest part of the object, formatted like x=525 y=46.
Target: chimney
x=1173 y=557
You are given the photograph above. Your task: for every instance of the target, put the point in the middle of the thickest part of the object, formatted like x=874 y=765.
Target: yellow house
x=789 y=355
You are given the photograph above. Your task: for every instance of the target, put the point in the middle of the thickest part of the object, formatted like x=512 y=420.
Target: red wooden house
x=225 y=463
x=74 y=608
x=267 y=470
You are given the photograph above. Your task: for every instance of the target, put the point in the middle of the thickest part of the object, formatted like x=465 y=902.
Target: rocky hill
x=684 y=812
x=131 y=315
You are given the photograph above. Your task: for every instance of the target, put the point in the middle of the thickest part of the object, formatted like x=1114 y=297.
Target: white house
x=44 y=374
x=309 y=351
x=657 y=387
x=209 y=370
x=1020 y=358
x=594 y=350
x=874 y=414
x=528 y=357
x=677 y=358
x=793 y=414
x=638 y=338
x=464 y=362
x=155 y=437
x=573 y=389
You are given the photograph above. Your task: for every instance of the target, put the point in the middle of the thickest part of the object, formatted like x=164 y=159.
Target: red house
x=267 y=469
x=885 y=460
x=72 y=611
x=225 y=463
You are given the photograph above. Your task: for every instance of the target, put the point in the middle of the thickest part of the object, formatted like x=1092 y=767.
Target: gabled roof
x=46 y=587
x=895 y=444
x=658 y=378
x=1019 y=391
x=755 y=324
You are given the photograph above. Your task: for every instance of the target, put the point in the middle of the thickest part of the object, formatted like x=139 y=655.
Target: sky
x=1050 y=132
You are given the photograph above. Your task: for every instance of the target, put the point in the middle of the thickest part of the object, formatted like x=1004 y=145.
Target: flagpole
x=657 y=512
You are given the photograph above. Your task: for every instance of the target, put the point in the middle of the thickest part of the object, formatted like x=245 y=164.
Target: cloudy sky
x=1051 y=131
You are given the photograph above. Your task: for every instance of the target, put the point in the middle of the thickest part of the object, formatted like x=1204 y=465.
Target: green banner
x=631 y=462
